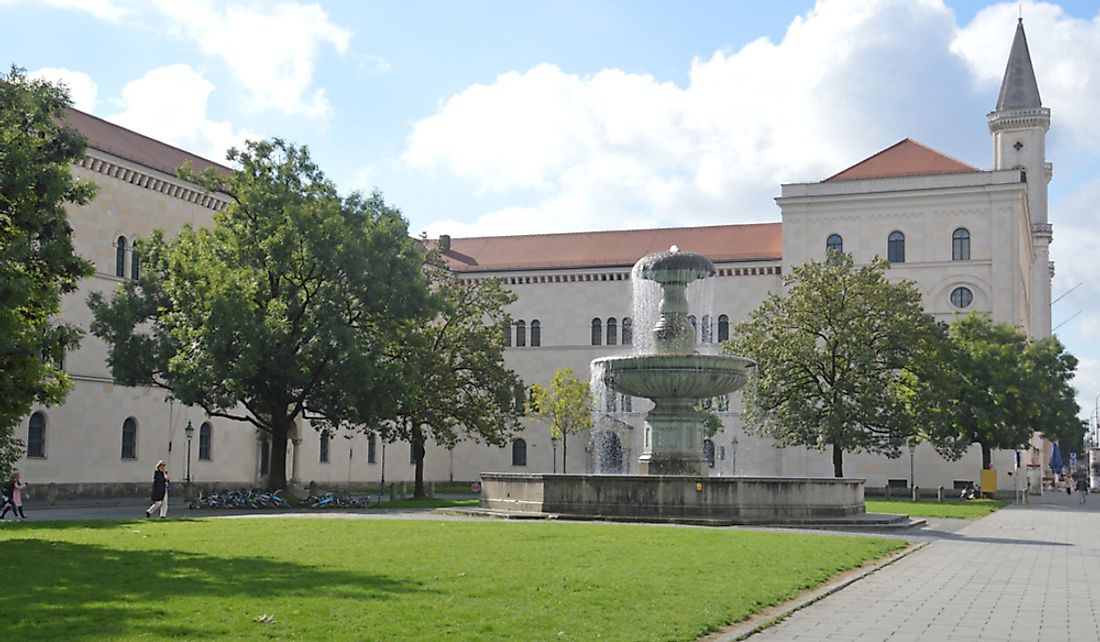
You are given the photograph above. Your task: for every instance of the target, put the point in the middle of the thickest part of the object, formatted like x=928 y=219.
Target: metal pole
x=912 y=449
x=188 y=459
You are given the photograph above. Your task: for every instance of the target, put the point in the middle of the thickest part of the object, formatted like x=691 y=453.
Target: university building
x=971 y=239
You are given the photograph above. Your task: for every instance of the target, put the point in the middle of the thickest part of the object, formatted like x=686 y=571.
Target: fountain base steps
x=788 y=501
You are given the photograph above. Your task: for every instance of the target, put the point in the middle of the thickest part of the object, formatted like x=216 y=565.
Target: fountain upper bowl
x=675 y=376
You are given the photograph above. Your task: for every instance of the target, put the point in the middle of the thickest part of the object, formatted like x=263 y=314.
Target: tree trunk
x=418 y=452
x=276 y=472
x=987 y=455
x=564 y=445
x=838 y=461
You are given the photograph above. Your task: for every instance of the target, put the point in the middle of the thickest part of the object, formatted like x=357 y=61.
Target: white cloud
x=102 y=9
x=1064 y=51
x=82 y=89
x=169 y=104
x=597 y=151
x=271 y=48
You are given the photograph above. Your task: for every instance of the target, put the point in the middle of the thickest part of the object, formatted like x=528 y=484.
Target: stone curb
x=780 y=612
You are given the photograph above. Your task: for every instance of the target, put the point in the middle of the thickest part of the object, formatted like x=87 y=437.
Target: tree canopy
x=1009 y=386
x=292 y=304
x=457 y=385
x=38 y=263
x=838 y=357
x=566 y=405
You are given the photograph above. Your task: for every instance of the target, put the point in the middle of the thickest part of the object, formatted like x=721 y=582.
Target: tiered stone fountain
x=673 y=484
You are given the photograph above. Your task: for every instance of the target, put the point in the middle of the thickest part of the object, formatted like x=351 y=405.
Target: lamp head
x=189 y=429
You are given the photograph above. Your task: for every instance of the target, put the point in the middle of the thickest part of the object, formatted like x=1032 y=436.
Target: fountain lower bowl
x=671 y=376
x=673 y=498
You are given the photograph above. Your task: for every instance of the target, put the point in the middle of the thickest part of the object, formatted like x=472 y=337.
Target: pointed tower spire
x=1019 y=126
x=1019 y=89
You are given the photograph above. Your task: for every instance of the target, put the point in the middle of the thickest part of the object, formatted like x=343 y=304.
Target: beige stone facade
x=564 y=282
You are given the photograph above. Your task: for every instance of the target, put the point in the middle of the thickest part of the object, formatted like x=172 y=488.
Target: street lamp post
x=554 y=446
x=912 y=450
x=189 y=431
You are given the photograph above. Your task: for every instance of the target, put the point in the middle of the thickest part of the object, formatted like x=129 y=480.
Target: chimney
x=444 y=243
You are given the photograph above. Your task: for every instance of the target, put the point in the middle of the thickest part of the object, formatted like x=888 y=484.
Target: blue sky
x=483 y=117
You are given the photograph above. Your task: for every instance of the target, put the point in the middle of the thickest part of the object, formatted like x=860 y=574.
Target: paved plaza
x=1020 y=574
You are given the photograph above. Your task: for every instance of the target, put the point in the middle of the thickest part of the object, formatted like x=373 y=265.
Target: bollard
x=916 y=493
x=313 y=489
x=404 y=492
x=431 y=489
x=51 y=494
x=939 y=494
x=393 y=492
x=887 y=493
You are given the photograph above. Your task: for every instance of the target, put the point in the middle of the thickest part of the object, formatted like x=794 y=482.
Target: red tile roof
x=132 y=146
x=619 y=248
x=905 y=158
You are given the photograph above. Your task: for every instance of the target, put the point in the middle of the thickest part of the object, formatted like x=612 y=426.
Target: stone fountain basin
x=670 y=376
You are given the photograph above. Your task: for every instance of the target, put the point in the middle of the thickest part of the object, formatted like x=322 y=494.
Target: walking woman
x=160 y=490
x=13 y=497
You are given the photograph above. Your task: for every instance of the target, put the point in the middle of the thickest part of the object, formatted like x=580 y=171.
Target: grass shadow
x=62 y=590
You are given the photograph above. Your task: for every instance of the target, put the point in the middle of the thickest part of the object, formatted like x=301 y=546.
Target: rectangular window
x=324 y=448
x=371 y=448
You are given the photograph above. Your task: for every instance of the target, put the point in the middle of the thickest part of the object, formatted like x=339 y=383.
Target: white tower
x=1019 y=125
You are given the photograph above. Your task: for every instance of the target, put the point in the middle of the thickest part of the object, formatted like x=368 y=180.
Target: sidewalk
x=1021 y=574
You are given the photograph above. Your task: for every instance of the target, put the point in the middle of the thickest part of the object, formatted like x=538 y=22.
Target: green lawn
x=970 y=509
x=354 y=579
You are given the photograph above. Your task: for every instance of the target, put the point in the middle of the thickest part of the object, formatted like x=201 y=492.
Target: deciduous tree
x=291 y=305
x=566 y=405
x=837 y=356
x=457 y=385
x=38 y=263
x=1009 y=386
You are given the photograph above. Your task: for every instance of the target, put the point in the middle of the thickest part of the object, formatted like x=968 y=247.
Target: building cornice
x=118 y=169
x=1010 y=119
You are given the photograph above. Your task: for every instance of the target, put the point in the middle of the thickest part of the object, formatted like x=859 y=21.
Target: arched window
x=135 y=266
x=120 y=257
x=265 y=457
x=36 y=436
x=536 y=334
x=707 y=335
x=962 y=297
x=521 y=334
x=597 y=332
x=723 y=328
x=324 y=447
x=612 y=332
x=129 y=438
x=708 y=452
x=372 y=448
x=834 y=243
x=895 y=247
x=694 y=328
x=960 y=245
x=628 y=331
x=205 y=437
x=507 y=328
x=519 y=452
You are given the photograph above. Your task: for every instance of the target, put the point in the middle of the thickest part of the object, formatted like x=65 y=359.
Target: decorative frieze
x=172 y=189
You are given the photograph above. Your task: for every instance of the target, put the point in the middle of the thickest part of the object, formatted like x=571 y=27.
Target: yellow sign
x=989 y=481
